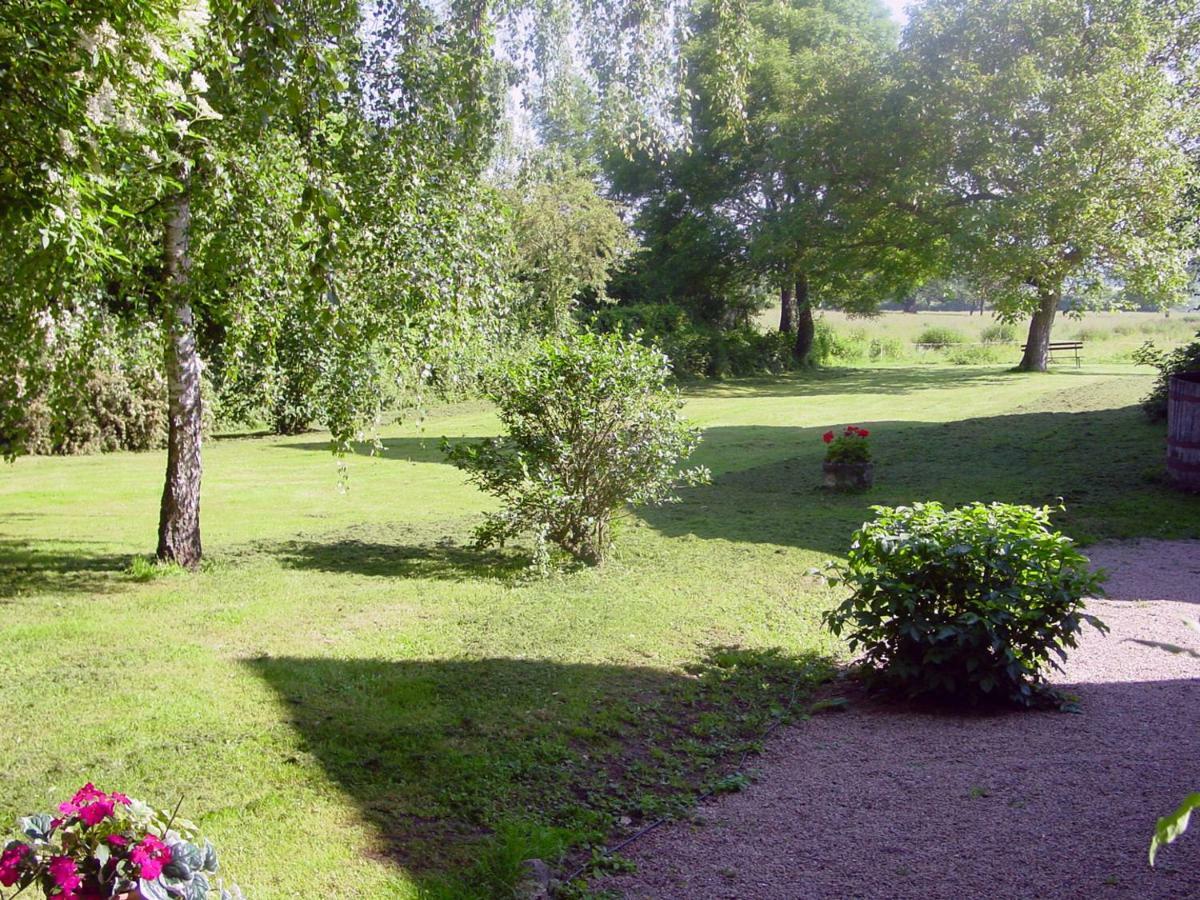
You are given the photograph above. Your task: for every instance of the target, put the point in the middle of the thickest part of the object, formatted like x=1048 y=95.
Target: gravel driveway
x=886 y=802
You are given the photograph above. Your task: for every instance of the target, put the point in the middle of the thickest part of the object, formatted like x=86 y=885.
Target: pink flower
x=94 y=813
x=11 y=861
x=92 y=806
x=118 y=797
x=117 y=841
x=150 y=855
x=64 y=874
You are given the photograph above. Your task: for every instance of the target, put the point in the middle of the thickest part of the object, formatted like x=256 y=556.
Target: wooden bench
x=1063 y=347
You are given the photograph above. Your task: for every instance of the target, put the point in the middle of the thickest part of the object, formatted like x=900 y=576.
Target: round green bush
x=973 y=355
x=939 y=336
x=998 y=333
x=969 y=604
x=591 y=426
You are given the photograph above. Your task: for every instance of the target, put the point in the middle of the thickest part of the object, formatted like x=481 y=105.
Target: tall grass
x=893 y=338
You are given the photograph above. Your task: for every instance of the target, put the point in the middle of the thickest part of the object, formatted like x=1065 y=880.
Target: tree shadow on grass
x=412 y=449
x=442 y=756
x=1104 y=465
x=898 y=380
x=380 y=559
x=56 y=567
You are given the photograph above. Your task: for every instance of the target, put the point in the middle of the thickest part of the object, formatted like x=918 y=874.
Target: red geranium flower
x=827 y=437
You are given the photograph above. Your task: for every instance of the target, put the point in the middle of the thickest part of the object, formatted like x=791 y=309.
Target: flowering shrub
x=848 y=447
x=970 y=603
x=107 y=845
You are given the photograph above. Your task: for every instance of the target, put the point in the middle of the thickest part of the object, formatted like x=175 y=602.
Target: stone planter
x=853 y=476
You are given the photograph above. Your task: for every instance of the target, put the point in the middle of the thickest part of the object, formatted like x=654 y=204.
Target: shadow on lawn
x=449 y=759
x=414 y=449
x=393 y=560
x=29 y=567
x=1103 y=464
x=900 y=380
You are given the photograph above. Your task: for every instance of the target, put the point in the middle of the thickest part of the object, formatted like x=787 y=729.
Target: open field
x=890 y=337
x=353 y=702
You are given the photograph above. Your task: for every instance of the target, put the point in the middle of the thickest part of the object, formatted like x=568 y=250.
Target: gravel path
x=884 y=802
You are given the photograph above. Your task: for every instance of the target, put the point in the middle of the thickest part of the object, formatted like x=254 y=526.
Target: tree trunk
x=787 y=310
x=179 y=514
x=1037 y=345
x=806 y=329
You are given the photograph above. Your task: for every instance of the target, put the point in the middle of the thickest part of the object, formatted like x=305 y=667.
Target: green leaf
x=154 y=890
x=1169 y=827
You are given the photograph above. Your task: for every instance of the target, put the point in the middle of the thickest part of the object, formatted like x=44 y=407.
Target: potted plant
x=848 y=465
x=109 y=846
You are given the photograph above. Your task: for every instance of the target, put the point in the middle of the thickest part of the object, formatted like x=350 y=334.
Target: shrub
x=1174 y=362
x=830 y=346
x=697 y=350
x=968 y=604
x=89 y=394
x=882 y=348
x=1092 y=333
x=108 y=845
x=939 y=336
x=748 y=351
x=998 y=333
x=973 y=355
x=591 y=426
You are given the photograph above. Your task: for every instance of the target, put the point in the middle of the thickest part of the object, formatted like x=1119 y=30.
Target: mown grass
x=354 y=703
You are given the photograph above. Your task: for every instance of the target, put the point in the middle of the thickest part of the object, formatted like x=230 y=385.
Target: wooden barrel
x=1183 y=431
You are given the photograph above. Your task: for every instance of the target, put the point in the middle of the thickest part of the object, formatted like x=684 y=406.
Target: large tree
x=222 y=171
x=794 y=183
x=568 y=240
x=1053 y=134
x=122 y=191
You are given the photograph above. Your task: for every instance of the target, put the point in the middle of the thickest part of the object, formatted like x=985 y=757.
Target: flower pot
x=849 y=476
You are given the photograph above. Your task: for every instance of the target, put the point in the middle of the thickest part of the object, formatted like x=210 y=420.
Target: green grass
x=352 y=702
x=891 y=337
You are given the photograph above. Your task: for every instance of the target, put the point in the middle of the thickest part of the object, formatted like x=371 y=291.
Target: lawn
x=352 y=702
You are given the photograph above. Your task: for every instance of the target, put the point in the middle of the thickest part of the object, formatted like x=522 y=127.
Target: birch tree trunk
x=179 y=514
